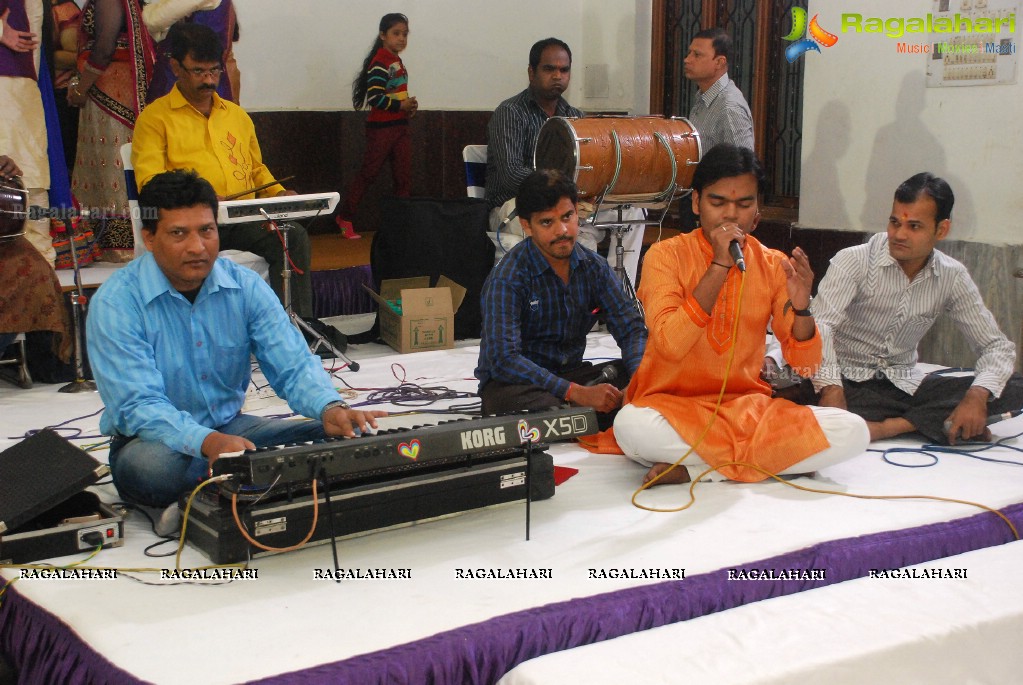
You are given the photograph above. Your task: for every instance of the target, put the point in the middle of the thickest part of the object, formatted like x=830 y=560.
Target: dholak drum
x=13 y=208
x=624 y=158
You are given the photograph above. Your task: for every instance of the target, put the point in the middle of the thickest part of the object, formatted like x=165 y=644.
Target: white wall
x=869 y=122
x=462 y=54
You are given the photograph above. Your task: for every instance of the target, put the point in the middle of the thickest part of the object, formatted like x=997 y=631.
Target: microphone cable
x=713 y=417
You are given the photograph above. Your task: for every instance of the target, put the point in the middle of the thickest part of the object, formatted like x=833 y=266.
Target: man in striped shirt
x=877 y=301
x=720 y=113
x=511 y=141
x=541 y=301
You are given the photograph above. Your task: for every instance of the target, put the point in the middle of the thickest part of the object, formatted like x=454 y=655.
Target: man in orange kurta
x=693 y=292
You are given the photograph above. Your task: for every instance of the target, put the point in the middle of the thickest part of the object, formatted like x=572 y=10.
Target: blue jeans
x=153 y=474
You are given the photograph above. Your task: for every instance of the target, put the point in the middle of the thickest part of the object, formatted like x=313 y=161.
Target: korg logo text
x=485 y=437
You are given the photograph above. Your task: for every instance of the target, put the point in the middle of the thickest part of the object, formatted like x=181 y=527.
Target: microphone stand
x=617 y=232
x=318 y=340
x=78 y=300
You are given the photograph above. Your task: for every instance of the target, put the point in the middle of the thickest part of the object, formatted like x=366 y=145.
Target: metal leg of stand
x=79 y=384
x=23 y=379
x=330 y=522
x=529 y=482
x=619 y=232
x=319 y=342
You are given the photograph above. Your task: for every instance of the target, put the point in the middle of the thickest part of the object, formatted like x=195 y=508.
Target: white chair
x=252 y=261
x=475 y=158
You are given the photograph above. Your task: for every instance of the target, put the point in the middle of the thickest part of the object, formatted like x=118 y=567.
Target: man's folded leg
x=646 y=436
x=153 y=474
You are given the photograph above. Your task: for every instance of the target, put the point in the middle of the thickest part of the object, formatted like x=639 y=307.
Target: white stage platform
x=287 y=620
x=911 y=631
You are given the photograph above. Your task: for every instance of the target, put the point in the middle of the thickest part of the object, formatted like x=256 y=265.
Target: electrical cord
x=929 y=449
x=713 y=417
x=252 y=541
x=164 y=539
x=61 y=428
x=819 y=491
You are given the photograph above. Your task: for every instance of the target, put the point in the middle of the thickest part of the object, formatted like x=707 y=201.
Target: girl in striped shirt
x=383 y=85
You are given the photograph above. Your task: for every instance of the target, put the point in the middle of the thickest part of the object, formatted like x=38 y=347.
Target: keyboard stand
x=318 y=341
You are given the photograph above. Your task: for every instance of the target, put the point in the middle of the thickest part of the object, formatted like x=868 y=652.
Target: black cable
x=932 y=451
x=58 y=427
x=412 y=395
x=164 y=539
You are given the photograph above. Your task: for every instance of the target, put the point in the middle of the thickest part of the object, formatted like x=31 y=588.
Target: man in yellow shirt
x=194 y=128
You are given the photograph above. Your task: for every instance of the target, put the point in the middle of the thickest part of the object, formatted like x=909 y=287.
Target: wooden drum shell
x=585 y=150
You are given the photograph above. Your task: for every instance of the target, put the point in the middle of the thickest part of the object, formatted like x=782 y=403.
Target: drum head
x=557 y=148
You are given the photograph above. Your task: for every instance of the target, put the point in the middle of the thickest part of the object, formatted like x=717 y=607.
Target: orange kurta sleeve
x=674 y=318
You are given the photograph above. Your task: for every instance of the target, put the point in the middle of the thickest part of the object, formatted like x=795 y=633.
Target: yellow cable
x=936 y=498
x=714 y=416
x=184 y=526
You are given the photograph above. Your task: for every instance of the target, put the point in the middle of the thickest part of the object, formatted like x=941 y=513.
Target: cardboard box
x=427 y=317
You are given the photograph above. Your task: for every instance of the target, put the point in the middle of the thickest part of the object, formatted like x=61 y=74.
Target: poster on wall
x=973 y=43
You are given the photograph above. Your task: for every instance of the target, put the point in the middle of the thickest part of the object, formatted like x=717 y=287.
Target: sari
x=106 y=123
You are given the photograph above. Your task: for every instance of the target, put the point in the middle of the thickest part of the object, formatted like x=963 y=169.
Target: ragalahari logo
x=803 y=44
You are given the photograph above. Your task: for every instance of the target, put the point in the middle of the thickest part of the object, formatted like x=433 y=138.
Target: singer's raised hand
x=720 y=237
x=800 y=278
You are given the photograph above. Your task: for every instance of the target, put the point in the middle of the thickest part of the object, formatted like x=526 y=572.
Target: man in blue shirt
x=539 y=303
x=170 y=338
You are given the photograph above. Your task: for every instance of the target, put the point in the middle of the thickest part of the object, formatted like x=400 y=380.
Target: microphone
x=736 y=252
x=609 y=374
x=994 y=418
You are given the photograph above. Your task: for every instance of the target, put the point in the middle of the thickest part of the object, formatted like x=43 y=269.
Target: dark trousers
x=878 y=399
x=501 y=398
x=392 y=142
x=259 y=240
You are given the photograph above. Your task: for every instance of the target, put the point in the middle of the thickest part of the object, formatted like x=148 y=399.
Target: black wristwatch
x=803 y=312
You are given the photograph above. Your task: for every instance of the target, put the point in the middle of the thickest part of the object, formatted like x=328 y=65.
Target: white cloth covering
x=286 y=619
x=911 y=631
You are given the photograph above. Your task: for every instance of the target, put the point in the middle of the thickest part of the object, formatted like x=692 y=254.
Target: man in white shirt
x=877 y=301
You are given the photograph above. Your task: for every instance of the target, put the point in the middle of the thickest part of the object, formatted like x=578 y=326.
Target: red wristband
x=568 y=394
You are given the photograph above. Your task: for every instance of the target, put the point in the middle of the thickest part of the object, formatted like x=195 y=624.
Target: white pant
x=589 y=235
x=647 y=437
